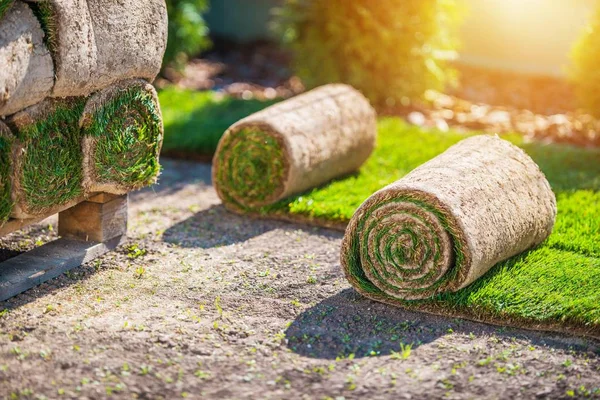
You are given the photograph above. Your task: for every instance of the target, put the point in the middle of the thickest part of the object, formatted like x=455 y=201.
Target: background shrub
x=188 y=34
x=585 y=67
x=391 y=50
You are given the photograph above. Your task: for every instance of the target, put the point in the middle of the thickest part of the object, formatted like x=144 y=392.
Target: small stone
x=416 y=118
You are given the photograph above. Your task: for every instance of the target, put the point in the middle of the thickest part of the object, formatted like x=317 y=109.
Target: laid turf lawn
x=556 y=285
x=194 y=121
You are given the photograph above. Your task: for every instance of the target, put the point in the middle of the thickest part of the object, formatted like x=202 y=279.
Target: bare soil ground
x=200 y=303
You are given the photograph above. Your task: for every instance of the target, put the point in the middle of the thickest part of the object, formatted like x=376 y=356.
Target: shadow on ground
x=175 y=176
x=569 y=169
x=29 y=238
x=348 y=323
x=217 y=227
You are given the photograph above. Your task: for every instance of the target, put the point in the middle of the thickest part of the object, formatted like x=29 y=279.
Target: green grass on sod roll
x=52 y=165
x=195 y=121
x=6 y=203
x=4 y=6
x=128 y=134
x=44 y=12
x=555 y=286
x=252 y=166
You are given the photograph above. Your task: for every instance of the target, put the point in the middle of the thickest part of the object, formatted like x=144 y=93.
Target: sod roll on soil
x=46 y=158
x=123 y=132
x=293 y=146
x=27 y=72
x=448 y=222
x=96 y=43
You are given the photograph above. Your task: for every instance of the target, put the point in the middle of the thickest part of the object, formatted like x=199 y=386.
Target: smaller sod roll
x=123 y=132
x=47 y=159
x=27 y=74
x=6 y=146
x=293 y=146
x=448 y=222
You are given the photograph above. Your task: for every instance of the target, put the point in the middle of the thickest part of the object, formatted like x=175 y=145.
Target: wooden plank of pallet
x=46 y=262
x=15 y=224
x=98 y=219
x=88 y=230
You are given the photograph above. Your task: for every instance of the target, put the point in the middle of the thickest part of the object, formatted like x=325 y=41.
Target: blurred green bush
x=188 y=34
x=585 y=67
x=391 y=50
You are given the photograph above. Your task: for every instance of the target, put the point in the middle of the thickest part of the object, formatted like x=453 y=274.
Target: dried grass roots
x=294 y=146
x=448 y=222
x=27 y=71
x=96 y=43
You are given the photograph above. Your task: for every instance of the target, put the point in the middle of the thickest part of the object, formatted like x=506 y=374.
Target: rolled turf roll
x=27 y=72
x=96 y=43
x=6 y=146
x=47 y=158
x=448 y=222
x=123 y=133
x=293 y=146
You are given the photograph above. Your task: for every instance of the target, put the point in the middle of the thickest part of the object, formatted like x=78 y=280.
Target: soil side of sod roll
x=47 y=158
x=96 y=43
x=27 y=70
x=122 y=137
x=293 y=146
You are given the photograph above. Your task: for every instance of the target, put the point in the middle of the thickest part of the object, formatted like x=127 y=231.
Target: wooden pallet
x=87 y=230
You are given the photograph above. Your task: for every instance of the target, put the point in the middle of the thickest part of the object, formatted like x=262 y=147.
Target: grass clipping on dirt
x=448 y=222
x=123 y=134
x=555 y=286
x=47 y=169
x=293 y=146
x=6 y=142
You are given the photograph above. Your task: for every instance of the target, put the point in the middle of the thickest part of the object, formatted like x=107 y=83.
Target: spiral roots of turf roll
x=405 y=246
x=253 y=168
x=448 y=222
x=123 y=132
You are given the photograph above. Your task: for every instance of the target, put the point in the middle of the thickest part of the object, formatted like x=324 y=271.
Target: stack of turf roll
x=293 y=146
x=78 y=114
x=448 y=222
